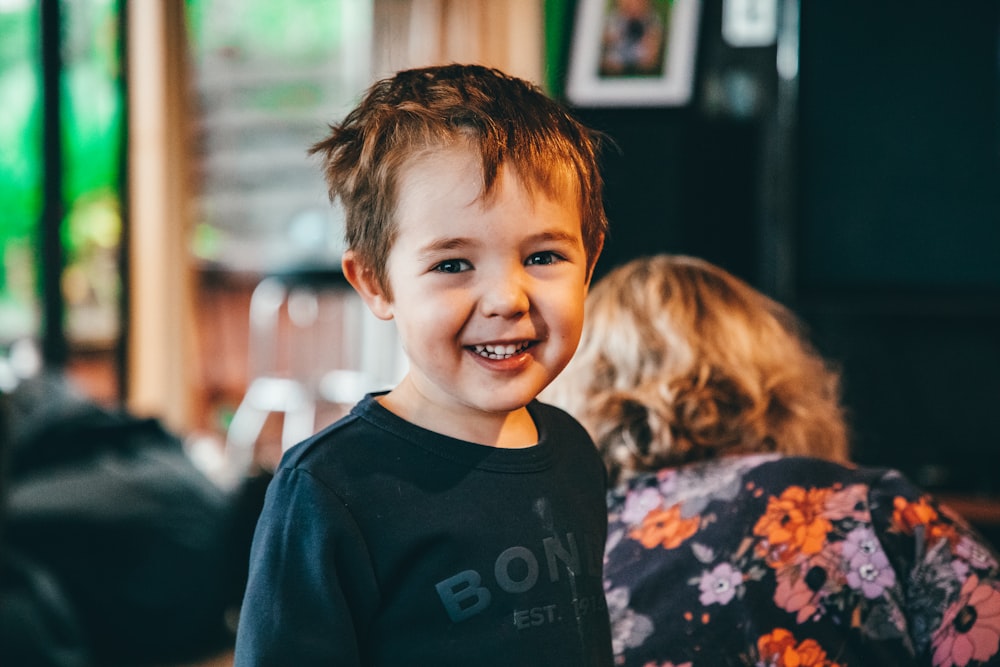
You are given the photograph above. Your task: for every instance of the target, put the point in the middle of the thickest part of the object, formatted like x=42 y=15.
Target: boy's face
x=487 y=296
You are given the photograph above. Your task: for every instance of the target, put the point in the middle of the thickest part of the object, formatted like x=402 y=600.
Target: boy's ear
x=363 y=280
x=593 y=261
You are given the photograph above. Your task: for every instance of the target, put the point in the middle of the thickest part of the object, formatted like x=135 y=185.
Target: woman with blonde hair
x=739 y=532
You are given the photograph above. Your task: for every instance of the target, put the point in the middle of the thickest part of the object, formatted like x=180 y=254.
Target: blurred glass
x=91 y=121
x=269 y=77
x=20 y=167
x=92 y=125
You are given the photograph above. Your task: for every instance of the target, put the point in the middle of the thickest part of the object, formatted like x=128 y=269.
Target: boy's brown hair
x=511 y=122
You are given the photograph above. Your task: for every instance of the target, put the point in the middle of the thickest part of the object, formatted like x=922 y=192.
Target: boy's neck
x=512 y=430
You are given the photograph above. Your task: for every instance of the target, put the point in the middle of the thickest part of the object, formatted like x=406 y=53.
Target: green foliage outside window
x=91 y=118
x=20 y=169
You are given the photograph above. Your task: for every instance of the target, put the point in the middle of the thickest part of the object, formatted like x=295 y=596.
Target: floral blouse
x=795 y=562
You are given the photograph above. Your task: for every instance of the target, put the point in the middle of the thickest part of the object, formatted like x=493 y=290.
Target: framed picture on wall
x=631 y=53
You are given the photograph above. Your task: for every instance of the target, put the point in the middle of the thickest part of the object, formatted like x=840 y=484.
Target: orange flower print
x=793 y=524
x=775 y=644
x=909 y=516
x=809 y=652
x=970 y=629
x=665 y=528
x=779 y=649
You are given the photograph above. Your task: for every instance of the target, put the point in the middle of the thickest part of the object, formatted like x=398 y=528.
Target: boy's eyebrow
x=445 y=244
x=448 y=243
x=556 y=235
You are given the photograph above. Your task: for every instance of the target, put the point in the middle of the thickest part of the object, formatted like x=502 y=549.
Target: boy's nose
x=506 y=298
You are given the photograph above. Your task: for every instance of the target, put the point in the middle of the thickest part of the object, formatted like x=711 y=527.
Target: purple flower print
x=639 y=503
x=861 y=541
x=868 y=566
x=719 y=585
x=974 y=553
x=628 y=627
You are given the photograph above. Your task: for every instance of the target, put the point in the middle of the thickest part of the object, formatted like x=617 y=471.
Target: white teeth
x=499 y=351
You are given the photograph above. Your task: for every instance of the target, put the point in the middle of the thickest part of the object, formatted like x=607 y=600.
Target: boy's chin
x=500 y=402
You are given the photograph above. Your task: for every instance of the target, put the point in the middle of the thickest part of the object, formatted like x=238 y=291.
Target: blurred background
x=168 y=246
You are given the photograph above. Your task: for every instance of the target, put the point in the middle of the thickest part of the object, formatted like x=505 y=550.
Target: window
x=269 y=77
x=89 y=152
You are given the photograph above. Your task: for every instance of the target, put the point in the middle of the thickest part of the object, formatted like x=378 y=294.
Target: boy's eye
x=547 y=257
x=452 y=266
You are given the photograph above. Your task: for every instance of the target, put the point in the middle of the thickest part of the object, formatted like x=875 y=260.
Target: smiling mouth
x=500 y=351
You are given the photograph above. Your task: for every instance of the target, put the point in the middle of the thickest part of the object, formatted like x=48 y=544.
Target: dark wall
x=892 y=177
x=685 y=179
x=676 y=182
x=899 y=138
x=899 y=230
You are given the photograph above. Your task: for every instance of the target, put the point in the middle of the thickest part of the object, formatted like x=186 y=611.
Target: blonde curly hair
x=681 y=361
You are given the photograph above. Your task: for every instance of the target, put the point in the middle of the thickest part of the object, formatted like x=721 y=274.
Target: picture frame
x=633 y=53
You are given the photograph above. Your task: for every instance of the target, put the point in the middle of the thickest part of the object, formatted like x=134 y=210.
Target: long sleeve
x=779 y=561
x=310 y=590
x=381 y=543
x=948 y=573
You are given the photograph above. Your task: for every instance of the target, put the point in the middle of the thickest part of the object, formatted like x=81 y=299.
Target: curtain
x=505 y=34
x=161 y=346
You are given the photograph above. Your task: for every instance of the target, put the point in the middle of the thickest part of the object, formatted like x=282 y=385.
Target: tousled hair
x=681 y=361
x=511 y=123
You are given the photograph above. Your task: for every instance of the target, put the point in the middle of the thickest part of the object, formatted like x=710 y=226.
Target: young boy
x=454 y=520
